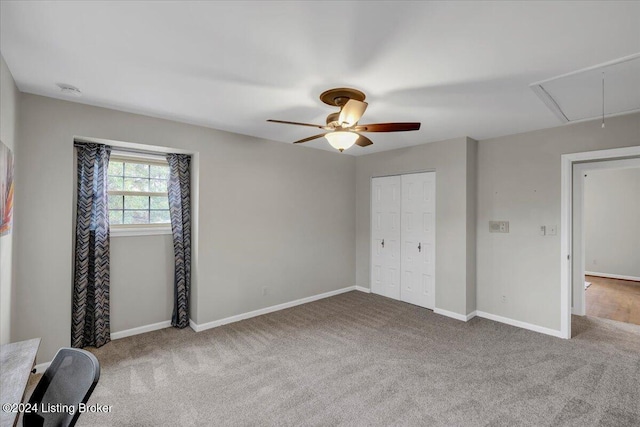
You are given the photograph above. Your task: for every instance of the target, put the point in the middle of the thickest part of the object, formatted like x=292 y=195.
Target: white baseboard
x=140 y=330
x=612 y=276
x=453 y=315
x=41 y=367
x=363 y=289
x=519 y=324
x=260 y=312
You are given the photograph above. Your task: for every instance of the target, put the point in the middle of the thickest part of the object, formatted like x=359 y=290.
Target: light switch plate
x=498 y=226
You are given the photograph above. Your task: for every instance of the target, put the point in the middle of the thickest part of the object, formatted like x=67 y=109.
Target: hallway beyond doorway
x=613 y=299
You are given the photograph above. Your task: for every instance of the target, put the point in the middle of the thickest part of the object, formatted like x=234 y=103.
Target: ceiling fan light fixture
x=341 y=140
x=342 y=129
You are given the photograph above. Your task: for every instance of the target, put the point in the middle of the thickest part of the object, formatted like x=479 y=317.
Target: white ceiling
x=462 y=69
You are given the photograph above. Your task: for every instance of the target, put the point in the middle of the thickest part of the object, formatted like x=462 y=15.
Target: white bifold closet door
x=403 y=238
x=385 y=236
x=418 y=207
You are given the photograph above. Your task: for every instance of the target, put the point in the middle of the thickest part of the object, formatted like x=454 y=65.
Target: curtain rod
x=126 y=149
x=142 y=153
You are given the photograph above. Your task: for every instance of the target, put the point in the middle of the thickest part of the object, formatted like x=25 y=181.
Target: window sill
x=139 y=231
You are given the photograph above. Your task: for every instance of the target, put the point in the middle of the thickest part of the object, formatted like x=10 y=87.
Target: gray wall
x=141 y=266
x=612 y=222
x=519 y=181
x=452 y=160
x=9 y=104
x=270 y=215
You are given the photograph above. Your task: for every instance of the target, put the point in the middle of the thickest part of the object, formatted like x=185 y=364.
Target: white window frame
x=127 y=230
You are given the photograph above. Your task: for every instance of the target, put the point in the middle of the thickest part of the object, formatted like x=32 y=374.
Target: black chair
x=69 y=380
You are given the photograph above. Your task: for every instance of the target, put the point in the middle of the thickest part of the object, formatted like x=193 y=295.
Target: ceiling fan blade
x=363 y=141
x=310 y=138
x=296 y=123
x=387 y=127
x=351 y=112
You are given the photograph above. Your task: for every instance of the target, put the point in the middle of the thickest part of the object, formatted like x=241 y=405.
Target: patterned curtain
x=90 y=316
x=180 y=206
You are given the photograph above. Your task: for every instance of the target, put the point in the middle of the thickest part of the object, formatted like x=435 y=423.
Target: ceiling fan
x=342 y=127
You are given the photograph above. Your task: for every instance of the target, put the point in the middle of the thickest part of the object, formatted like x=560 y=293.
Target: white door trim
x=578 y=238
x=566 y=254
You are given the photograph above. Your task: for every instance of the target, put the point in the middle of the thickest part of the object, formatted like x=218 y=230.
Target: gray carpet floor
x=362 y=360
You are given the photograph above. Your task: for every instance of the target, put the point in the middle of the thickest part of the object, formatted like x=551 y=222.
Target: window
x=138 y=192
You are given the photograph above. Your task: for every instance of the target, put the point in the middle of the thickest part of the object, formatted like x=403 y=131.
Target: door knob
x=419 y=247
x=382 y=243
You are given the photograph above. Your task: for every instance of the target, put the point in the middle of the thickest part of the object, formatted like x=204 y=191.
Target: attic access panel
x=577 y=96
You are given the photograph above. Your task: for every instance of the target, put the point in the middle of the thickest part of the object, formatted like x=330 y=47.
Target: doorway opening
x=611 y=236
x=606 y=239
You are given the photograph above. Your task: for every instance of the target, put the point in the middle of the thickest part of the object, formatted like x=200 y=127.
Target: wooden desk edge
x=17 y=360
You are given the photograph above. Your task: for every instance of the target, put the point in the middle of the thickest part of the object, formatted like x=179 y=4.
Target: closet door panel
x=418 y=239
x=385 y=236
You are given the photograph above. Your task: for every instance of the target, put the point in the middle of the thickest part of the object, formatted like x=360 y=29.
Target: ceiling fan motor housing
x=332 y=119
x=339 y=96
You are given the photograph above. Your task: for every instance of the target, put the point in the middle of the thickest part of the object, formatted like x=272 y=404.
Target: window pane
x=115 y=202
x=115 y=183
x=160 y=217
x=159 y=202
x=158 y=185
x=115 y=217
x=136 y=217
x=136 y=184
x=136 y=170
x=136 y=202
x=115 y=168
x=161 y=172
